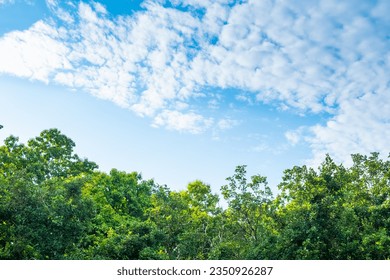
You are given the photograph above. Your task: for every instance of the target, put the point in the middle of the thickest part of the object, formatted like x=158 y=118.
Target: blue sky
x=185 y=90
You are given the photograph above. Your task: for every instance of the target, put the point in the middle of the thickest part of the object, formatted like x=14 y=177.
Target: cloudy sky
x=184 y=90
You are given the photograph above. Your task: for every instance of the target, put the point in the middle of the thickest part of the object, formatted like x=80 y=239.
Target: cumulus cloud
x=308 y=56
x=227 y=123
x=176 y=120
x=35 y=53
x=362 y=126
x=293 y=136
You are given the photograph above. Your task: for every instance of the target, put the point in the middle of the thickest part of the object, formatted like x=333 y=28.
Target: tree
x=335 y=213
x=186 y=219
x=55 y=205
x=169 y=212
x=369 y=197
x=247 y=221
x=41 y=211
x=120 y=228
x=199 y=237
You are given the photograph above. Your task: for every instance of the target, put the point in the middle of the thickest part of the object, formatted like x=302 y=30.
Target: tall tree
x=186 y=219
x=248 y=219
x=336 y=212
x=41 y=209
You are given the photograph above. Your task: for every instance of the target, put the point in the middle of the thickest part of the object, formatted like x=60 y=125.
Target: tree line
x=56 y=205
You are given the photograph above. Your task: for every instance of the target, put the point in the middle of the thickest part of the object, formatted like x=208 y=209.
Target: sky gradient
x=185 y=90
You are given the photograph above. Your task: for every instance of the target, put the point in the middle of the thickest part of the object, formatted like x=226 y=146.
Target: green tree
x=186 y=219
x=335 y=213
x=41 y=210
x=119 y=228
x=55 y=205
x=247 y=222
x=369 y=197
x=199 y=237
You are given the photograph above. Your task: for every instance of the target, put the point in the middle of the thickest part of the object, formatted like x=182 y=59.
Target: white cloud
x=362 y=126
x=227 y=123
x=35 y=53
x=175 y=120
x=293 y=137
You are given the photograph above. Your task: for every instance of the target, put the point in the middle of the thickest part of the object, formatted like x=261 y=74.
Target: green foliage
x=186 y=219
x=42 y=212
x=247 y=222
x=333 y=213
x=55 y=205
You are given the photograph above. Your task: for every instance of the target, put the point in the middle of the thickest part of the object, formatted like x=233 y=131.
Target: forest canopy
x=56 y=205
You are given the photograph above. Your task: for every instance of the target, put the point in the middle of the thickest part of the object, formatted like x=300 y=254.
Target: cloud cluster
x=35 y=53
x=309 y=56
x=361 y=126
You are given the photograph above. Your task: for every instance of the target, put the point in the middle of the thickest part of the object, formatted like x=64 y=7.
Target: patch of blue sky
x=21 y=14
x=122 y=7
x=117 y=138
x=256 y=127
x=236 y=102
x=196 y=10
x=114 y=137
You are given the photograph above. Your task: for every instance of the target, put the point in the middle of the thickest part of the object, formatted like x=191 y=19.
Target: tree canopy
x=56 y=205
